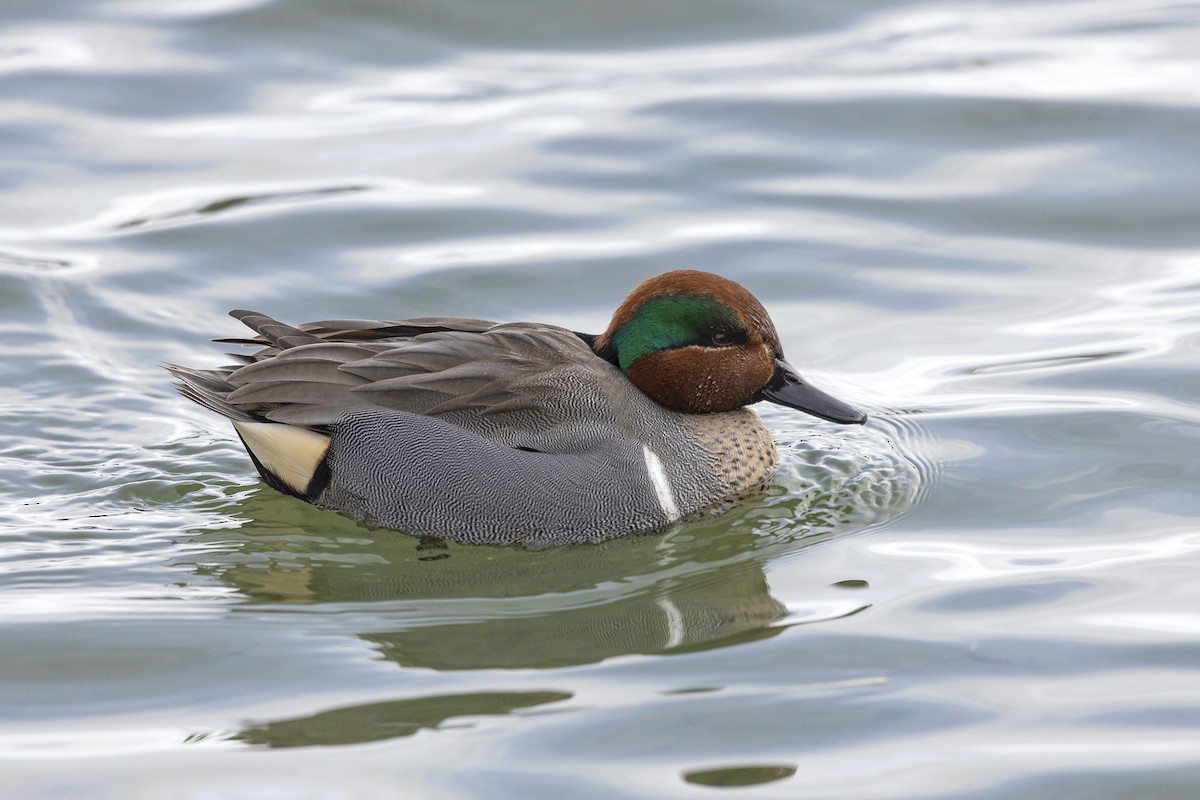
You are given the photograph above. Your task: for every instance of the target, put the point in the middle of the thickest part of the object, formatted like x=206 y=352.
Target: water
x=977 y=221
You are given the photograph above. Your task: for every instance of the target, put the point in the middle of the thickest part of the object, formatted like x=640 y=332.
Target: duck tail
x=209 y=388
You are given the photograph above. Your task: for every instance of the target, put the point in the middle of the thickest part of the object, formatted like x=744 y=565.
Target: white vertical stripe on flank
x=662 y=487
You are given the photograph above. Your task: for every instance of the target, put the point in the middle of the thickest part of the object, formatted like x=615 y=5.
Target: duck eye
x=721 y=338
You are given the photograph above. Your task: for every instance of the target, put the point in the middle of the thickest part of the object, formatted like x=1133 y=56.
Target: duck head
x=699 y=343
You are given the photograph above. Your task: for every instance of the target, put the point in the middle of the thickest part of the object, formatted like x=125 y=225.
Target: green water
x=978 y=222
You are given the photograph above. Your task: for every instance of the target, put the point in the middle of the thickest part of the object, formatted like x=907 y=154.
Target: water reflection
x=378 y=721
x=445 y=606
x=426 y=605
x=741 y=776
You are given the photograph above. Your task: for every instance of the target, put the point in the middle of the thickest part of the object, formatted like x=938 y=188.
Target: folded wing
x=520 y=384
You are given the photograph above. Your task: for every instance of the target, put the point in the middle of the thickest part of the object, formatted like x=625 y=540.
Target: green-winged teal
x=501 y=433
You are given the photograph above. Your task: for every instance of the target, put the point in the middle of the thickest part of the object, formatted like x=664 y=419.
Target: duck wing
x=274 y=336
x=527 y=385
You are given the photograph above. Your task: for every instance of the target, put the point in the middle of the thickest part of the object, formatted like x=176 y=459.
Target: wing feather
x=510 y=382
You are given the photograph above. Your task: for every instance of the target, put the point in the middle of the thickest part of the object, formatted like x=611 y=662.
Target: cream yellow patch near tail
x=291 y=454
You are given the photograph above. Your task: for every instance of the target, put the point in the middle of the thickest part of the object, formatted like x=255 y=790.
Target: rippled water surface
x=978 y=221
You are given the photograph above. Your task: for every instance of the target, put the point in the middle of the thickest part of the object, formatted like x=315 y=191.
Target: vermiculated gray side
x=465 y=396
x=428 y=477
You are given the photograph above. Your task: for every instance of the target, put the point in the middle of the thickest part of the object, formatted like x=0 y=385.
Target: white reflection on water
x=182 y=8
x=1144 y=626
x=126 y=600
x=35 y=745
x=962 y=175
x=35 y=50
x=979 y=558
x=518 y=249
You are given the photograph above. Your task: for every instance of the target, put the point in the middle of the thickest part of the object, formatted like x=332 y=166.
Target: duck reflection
x=448 y=607
x=445 y=606
x=691 y=612
x=374 y=722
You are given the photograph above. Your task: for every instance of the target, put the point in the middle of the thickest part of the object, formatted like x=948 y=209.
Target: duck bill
x=787 y=388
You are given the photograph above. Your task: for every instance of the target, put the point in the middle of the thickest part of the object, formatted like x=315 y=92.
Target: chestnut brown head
x=698 y=343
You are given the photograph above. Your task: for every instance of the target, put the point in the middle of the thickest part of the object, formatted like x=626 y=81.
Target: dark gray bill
x=788 y=389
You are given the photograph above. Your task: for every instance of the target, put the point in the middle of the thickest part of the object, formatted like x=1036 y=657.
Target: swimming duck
x=517 y=433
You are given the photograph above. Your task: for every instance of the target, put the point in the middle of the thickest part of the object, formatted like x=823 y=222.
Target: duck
x=522 y=433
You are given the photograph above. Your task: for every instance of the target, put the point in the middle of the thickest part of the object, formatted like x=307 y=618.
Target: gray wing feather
x=349 y=330
x=516 y=383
